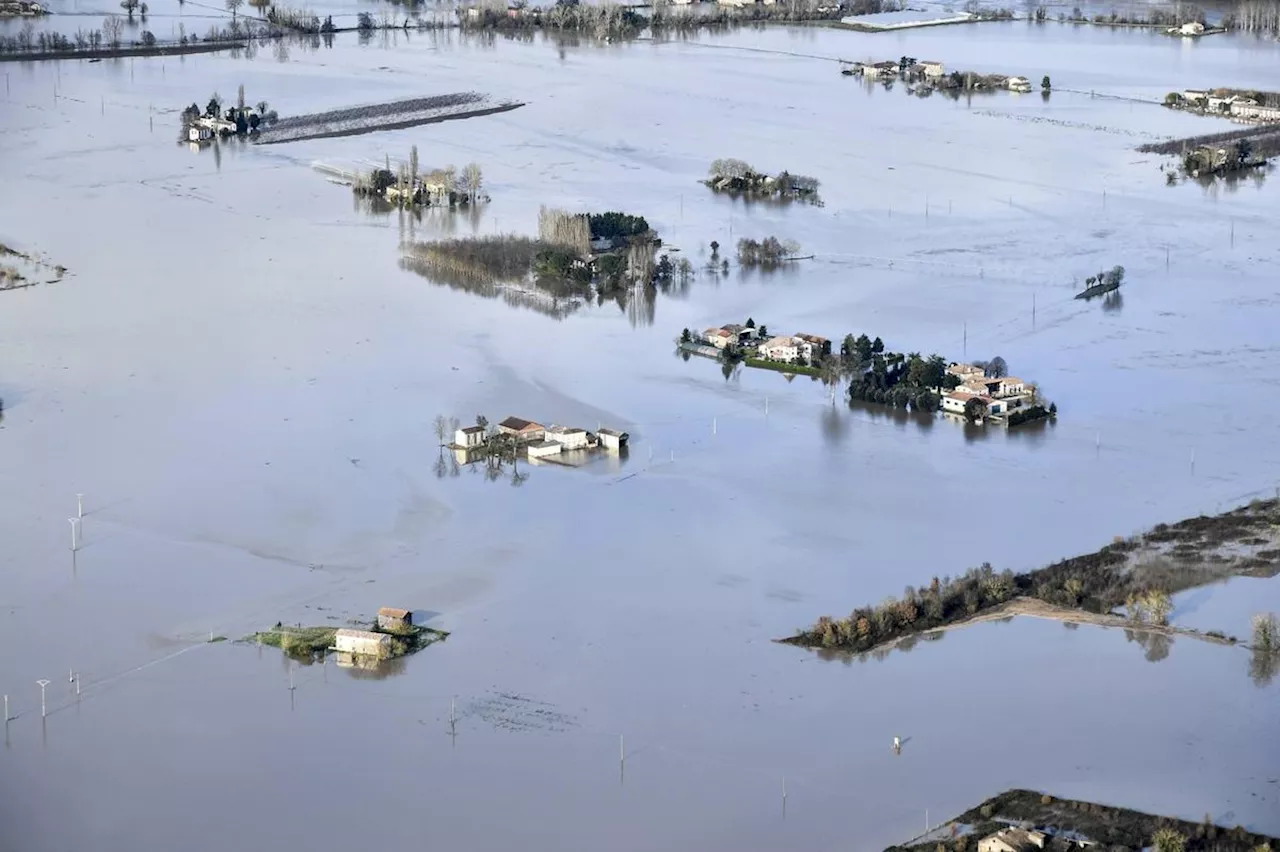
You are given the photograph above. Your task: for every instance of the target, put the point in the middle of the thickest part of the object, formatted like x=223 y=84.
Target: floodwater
x=240 y=379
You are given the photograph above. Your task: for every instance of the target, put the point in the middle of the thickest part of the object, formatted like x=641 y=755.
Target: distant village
x=977 y=392
x=21 y=9
x=926 y=75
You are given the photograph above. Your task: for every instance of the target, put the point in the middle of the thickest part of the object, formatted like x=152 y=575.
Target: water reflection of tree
x=906 y=645
x=1263 y=665
x=1113 y=302
x=555 y=304
x=1155 y=646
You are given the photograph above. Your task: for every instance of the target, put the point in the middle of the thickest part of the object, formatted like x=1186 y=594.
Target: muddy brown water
x=240 y=379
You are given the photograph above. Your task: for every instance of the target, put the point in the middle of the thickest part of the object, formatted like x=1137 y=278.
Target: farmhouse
x=362 y=642
x=391 y=618
x=468 y=437
x=1012 y=840
x=540 y=449
x=523 y=430
x=780 y=349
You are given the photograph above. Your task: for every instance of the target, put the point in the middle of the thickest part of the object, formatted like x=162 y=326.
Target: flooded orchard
x=241 y=378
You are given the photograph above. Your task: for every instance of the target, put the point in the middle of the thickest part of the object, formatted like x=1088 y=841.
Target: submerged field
x=241 y=379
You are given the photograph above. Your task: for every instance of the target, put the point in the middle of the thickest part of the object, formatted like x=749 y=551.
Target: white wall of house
x=570 y=439
x=363 y=642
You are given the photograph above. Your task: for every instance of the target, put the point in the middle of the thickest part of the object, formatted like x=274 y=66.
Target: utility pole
x=43 y=684
x=79 y=506
x=75 y=538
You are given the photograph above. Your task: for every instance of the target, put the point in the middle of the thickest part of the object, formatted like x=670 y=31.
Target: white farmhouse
x=780 y=349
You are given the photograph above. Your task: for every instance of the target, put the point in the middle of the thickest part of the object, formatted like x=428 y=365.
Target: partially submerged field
x=395 y=115
x=1066 y=821
x=1139 y=572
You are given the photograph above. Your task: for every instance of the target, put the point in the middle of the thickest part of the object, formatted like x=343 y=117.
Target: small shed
x=362 y=642
x=391 y=618
x=569 y=437
x=612 y=439
x=538 y=449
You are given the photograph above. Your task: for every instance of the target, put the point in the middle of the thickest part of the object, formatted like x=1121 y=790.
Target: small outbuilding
x=612 y=439
x=1012 y=840
x=364 y=643
x=391 y=618
x=569 y=437
x=538 y=449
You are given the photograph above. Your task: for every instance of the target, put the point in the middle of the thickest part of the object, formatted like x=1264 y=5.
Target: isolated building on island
x=362 y=642
x=391 y=618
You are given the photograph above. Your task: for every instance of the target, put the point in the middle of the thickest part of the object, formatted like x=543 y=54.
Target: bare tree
x=233 y=6
x=472 y=179
x=441 y=426
x=112 y=26
x=413 y=163
x=730 y=168
x=240 y=97
x=561 y=228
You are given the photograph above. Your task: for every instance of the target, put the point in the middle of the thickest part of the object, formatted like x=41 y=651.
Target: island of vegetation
x=390 y=635
x=407 y=186
x=1025 y=820
x=738 y=178
x=1102 y=283
x=576 y=257
x=1138 y=573
x=979 y=392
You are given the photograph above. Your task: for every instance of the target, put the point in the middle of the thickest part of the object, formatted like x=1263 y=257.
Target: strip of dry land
x=1139 y=573
x=396 y=115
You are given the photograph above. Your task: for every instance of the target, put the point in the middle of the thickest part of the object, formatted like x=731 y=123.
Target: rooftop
x=612 y=433
x=564 y=430
x=351 y=633
x=518 y=424
x=393 y=612
x=471 y=430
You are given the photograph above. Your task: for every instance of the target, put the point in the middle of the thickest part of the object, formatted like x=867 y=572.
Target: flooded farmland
x=240 y=378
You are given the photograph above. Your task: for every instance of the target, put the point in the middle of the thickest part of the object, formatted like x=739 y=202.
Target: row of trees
x=769 y=253
x=942 y=602
x=407 y=186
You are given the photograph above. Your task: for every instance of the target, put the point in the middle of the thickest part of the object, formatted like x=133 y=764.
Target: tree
x=685 y=336
x=975 y=409
x=715 y=250
x=214 y=107
x=471 y=180
x=413 y=163
x=148 y=38
x=233 y=6
x=877 y=346
x=750 y=323
x=1168 y=840
x=1045 y=83
x=864 y=347
x=482 y=421
x=240 y=97
x=441 y=427
x=129 y=6
x=997 y=368
x=763 y=331
x=730 y=168
x=112 y=26
x=1266 y=632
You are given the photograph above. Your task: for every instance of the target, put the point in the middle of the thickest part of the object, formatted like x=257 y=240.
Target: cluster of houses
x=933 y=74
x=1223 y=102
x=538 y=441
x=203 y=128
x=999 y=396
x=787 y=349
x=1018 y=839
